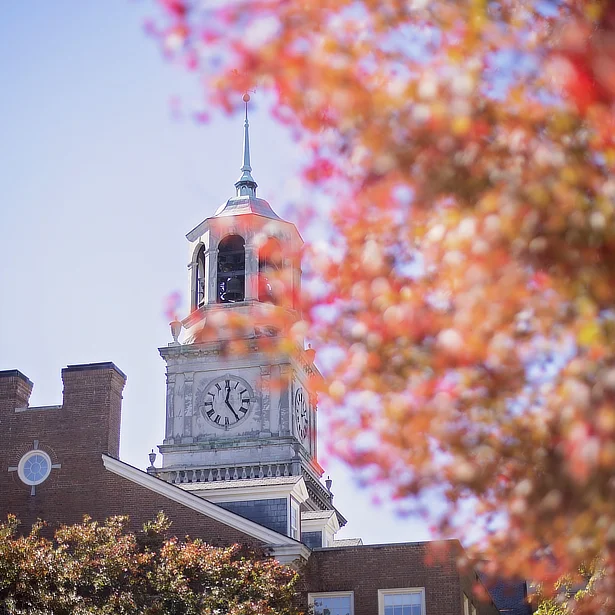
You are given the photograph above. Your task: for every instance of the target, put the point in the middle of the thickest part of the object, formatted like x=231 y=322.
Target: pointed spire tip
x=246 y=186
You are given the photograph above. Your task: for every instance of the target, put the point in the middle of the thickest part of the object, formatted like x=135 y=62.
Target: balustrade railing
x=228 y=473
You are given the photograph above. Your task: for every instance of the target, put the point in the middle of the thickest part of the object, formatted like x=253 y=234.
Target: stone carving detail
x=188 y=378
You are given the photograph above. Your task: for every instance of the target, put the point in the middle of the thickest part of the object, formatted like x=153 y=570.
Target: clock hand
x=226 y=401
x=233 y=411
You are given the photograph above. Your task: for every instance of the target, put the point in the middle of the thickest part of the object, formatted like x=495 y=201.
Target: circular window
x=34 y=467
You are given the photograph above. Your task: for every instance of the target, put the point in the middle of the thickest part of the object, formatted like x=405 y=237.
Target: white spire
x=245 y=185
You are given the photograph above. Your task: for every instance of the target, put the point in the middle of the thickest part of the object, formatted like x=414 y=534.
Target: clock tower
x=240 y=405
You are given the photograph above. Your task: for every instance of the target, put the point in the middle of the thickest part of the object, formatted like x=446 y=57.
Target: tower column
x=251 y=273
x=188 y=379
x=285 y=372
x=312 y=436
x=266 y=400
x=170 y=405
x=211 y=266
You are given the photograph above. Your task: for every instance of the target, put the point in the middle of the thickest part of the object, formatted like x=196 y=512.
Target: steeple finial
x=245 y=185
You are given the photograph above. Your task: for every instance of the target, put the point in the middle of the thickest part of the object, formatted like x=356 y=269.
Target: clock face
x=301 y=413
x=227 y=401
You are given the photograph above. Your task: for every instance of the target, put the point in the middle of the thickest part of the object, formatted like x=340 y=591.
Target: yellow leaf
x=589 y=334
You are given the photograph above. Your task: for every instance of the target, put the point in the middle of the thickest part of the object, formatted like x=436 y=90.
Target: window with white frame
x=404 y=601
x=332 y=603
x=294 y=519
x=466 y=605
x=473 y=610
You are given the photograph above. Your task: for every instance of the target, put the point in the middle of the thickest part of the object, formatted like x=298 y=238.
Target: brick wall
x=75 y=436
x=15 y=389
x=368 y=568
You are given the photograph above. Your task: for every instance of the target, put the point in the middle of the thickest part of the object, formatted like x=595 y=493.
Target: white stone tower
x=250 y=415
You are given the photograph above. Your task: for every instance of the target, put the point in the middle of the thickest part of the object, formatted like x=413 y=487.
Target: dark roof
x=509 y=596
x=86 y=367
x=15 y=373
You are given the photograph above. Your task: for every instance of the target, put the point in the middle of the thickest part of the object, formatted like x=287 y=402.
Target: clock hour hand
x=226 y=401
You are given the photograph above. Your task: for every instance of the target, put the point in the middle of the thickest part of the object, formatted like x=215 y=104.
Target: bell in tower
x=231 y=269
x=246 y=420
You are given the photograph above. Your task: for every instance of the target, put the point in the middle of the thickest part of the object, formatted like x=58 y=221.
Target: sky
x=99 y=183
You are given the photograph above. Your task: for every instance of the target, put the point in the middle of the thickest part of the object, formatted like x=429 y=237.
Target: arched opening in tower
x=199 y=289
x=231 y=269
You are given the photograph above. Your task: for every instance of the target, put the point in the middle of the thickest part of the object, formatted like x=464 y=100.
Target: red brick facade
x=75 y=436
x=367 y=568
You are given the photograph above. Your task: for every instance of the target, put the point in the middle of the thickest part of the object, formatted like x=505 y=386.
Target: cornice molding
x=246 y=493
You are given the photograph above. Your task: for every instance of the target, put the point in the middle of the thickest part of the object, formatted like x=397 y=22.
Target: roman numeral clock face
x=227 y=401
x=301 y=413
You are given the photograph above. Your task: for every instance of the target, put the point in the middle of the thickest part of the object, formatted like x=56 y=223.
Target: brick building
x=239 y=457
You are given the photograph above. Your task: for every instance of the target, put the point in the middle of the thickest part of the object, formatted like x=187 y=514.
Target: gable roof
x=281 y=545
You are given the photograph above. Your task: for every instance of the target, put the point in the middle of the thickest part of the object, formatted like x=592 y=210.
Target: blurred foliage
x=574 y=593
x=98 y=568
x=466 y=285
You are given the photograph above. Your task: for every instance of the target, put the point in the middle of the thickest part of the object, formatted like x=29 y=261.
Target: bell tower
x=247 y=417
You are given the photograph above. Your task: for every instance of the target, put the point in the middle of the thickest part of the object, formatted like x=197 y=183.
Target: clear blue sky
x=98 y=187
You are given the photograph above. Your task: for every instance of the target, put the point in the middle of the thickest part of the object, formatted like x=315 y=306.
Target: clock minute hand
x=231 y=409
x=226 y=401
